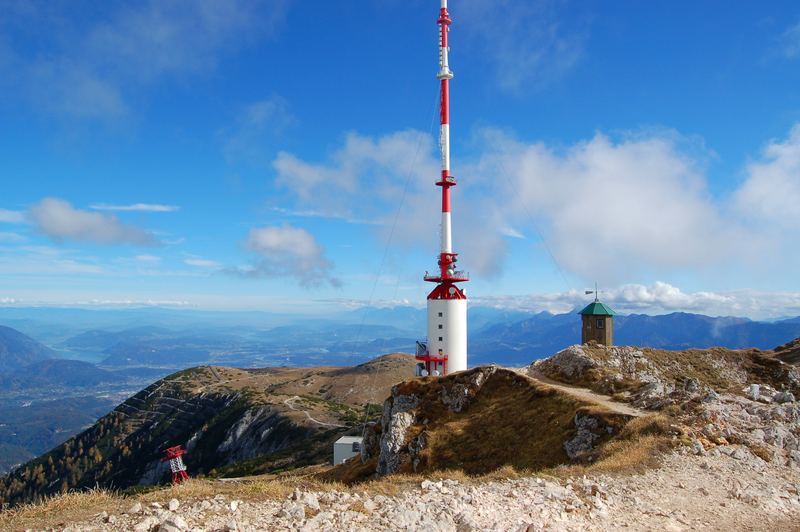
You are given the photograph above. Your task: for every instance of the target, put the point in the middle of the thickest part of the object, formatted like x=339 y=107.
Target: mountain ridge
x=266 y=419
x=18 y=350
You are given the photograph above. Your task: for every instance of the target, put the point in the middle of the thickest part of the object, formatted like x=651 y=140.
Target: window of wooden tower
x=601 y=323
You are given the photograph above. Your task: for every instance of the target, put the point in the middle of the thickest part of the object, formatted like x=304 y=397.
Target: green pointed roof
x=597 y=309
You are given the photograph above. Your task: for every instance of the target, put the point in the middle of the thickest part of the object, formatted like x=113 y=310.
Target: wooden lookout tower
x=598 y=323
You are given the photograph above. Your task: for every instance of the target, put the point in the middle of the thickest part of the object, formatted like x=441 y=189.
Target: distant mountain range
x=544 y=334
x=176 y=339
x=18 y=350
x=55 y=373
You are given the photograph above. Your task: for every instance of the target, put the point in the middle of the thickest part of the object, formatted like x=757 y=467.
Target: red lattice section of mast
x=173 y=456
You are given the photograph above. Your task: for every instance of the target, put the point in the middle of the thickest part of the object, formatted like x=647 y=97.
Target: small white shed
x=346 y=447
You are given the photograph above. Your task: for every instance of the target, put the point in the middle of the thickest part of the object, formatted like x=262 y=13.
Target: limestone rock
x=784 y=397
x=135 y=509
x=589 y=428
x=568 y=365
x=173 y=523
x=371 y=441
x=146 y=524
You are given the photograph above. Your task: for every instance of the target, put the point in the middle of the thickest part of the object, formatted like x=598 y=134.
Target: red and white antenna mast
x=446 y=348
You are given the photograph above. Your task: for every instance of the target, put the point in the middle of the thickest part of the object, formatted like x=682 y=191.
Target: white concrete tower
x=446 y=348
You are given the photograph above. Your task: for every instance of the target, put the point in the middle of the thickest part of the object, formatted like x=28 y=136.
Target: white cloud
x=47 y=265
x=611 y=209
x=771 y=191
x=143 y=207
x=288 y=251
x=389 y=181
x=59 y=220
x=90 y=67
x=310 y=213
x=201 y=263
x=595 y=200
x=12 y=217
x=133 y=302
x=148 y=259
x=530 y=43
x=511 y=232
x=367 y=180
x=607 y=208
x=660 y=298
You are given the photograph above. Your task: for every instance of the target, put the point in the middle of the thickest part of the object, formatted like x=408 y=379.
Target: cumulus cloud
x=288 y=251
x=603 y=205
x=612 y=207
x=59 y=220
x=660 y=298
x=530 y=43
x=90 y=66
x=140 y=207
x=390 y=170
x=608 y=208
x=771 y=190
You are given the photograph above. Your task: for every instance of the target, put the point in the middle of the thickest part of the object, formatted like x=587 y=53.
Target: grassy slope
x=116 y=450
x=512 y=422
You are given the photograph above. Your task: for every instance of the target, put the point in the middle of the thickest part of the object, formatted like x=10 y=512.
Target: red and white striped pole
x=446 y=347
x=447 y=181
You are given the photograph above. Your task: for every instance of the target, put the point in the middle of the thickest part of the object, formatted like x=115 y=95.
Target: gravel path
x=290 y=403
x=585 y=394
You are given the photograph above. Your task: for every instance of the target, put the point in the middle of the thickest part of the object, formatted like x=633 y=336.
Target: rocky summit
x=592 y=438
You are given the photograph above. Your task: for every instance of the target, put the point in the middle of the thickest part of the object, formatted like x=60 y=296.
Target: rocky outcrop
x=653 y=379
x=789 y=352
x=260 y=430
x=590 y=429
x=397 y=445
x=570 y=365
x=768 y=427
x=370 y=441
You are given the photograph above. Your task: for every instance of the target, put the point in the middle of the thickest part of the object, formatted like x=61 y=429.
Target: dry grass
x=762 y=452
x=513 y=427
x=77 y=506
x=639 y=446
x=512 y=421
x=60 y=509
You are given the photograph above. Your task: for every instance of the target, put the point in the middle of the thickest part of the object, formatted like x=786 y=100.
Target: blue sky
x=280 y=155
